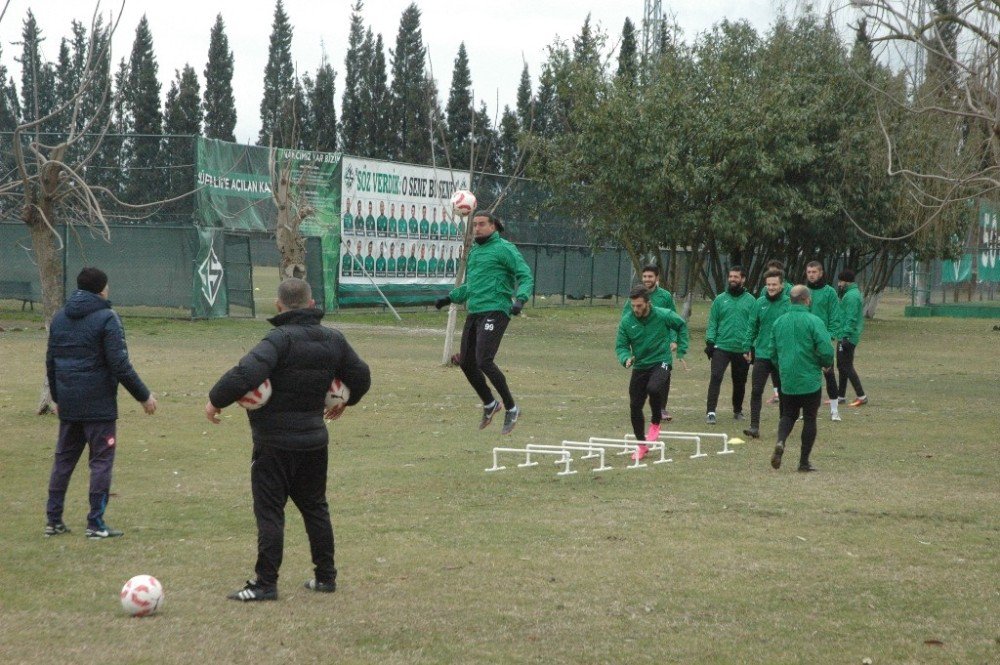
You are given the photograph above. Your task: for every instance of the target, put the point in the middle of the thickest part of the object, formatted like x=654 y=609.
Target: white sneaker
x=835 y=416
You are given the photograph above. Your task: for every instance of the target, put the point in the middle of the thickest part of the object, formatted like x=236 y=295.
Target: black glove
x=709 y=349
x=442 y=302
x=516 y=308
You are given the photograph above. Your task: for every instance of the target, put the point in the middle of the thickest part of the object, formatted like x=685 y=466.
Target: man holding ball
x=498 y=282
x=301 y=358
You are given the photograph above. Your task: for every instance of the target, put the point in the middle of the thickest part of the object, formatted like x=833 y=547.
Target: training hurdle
x=565 y=458
x=628 y=446
x=726 y=450
x=592 y=451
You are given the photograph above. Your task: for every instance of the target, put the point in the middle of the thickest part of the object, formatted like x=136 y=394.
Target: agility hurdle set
x=601 y=448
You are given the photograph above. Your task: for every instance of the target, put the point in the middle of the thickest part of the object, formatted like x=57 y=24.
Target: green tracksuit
x=826 y=305
x=762 y=319
x=852 y=319
x=728 y=321
x=492 y=270
x=801 y=350
x=648 y=339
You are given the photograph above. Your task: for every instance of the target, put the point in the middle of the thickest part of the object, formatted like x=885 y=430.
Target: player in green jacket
x=497 y=284
x=643 y=343
x=770 y=305
x=825 y=305
x=802 y=351
x=726 y=341
x=658 y=297
x=852 y=323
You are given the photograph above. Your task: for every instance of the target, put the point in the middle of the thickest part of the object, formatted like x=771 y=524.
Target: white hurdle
x=628 y=446
x=726 y=450
x=592 y=451
x=677 y=436
x=565 y=458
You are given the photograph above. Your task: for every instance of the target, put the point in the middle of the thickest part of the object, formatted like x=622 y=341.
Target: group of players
x=788 y=334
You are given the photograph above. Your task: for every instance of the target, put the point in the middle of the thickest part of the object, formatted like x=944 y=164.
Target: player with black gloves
x=498 y=282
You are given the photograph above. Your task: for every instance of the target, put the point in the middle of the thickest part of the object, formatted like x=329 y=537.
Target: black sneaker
x=509 y=420
x=102 y=532
x=807 y=468
x=665 y=416
x=738 y=415
x=779 y=450
x=488 y=413
x=753 y=432
x=254 y=591
x=710 y=418
x=55 y=529
x=324 y=587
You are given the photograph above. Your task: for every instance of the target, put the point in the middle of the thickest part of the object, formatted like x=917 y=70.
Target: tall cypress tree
x=525 y=103
x=459 y=111
x=409 y=92
x=508 y=151
x=352 y=123
x=10 y=117
x=279 y=79
x=487 y=142
x=628 y=56
x=142 y=96
x=38 y=93
x=219 y=103
x=321 y=95
x=375 y=102
x=182 y=118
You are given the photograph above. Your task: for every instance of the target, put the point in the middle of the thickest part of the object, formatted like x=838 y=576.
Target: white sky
x=499 y=35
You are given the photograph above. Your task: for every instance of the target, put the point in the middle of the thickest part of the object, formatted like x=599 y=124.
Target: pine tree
x=279 y=80
x=375 y=104
x=487 y=142
x=409 y=92
x=10 y=117
x=321 y=95
x=459 y=111
x=546 y=121
x=38 y=95
x=219 y=103
x=142 y=96
x=182 y=118
x=352 y=122
x=509 y=153
x=525 y=103
x=294 y=121
x=628 y=56
x=585 y=47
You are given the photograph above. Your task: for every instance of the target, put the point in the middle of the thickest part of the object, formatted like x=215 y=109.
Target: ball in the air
x=338 y=394
x=142 y=595
x=463 y=202
x=257 y=397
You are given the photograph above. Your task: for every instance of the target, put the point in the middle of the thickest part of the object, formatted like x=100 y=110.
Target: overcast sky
x=500 y=35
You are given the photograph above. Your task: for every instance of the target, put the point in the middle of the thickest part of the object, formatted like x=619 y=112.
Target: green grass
x=719 y=560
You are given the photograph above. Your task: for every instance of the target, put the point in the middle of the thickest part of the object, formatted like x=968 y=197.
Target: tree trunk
x=49 y=257
x=871 y=304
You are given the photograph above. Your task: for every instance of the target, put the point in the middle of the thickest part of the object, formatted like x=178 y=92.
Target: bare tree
x=294 y=207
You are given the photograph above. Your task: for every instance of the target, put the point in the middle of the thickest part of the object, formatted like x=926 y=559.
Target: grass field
x=888 y=553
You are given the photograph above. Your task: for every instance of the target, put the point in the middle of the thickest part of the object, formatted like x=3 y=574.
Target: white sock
x=833 y=406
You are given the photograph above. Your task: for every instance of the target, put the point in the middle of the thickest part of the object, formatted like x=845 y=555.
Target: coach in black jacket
x=301 y=357
x=85 y=360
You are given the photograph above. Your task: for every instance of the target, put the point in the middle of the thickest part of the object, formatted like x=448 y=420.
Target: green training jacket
x=852 y=318
x=648 y=339
x=826 y=305
x=762 y=319
x=493 y=269
x=728 y=321
x=660 y=297
x=801 y=349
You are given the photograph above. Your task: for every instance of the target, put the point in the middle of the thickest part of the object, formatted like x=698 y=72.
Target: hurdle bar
x=726 y=450
x=593 y=451
x=630 y=446
x=677 y=436
x=565 y=458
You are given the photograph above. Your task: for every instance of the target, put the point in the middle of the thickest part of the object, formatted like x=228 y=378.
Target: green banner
x=983 y=264
x=209 y=299
x=236 y=187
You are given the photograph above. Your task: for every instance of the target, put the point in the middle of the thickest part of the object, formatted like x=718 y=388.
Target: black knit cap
x=91 y=279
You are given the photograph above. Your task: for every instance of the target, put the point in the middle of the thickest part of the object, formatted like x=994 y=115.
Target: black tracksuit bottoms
x=481 y=339
x=277 y=475
x=808 y=404
x=651 y=383
x=741 y=368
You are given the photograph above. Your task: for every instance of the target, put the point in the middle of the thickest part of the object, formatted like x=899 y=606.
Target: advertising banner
x=986 y=260
x=209 y=297
x=397 y=232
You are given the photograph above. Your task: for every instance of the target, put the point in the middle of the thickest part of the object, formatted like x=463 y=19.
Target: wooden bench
x=18 y=290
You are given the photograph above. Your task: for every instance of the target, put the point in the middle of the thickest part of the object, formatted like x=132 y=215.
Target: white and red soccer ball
x=257 y=397
x=463 y=202
x=142 y=595
x=338 y=394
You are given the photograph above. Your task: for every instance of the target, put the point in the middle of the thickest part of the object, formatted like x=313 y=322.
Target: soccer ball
x=256 y=398
x=142 y=595
x=337 y=394
x=463 y=202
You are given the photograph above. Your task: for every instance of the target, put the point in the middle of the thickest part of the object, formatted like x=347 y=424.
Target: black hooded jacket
x=301 y=357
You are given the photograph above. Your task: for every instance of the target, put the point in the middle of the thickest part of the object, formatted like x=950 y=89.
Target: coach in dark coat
x=85 y=361
x=301 y=358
